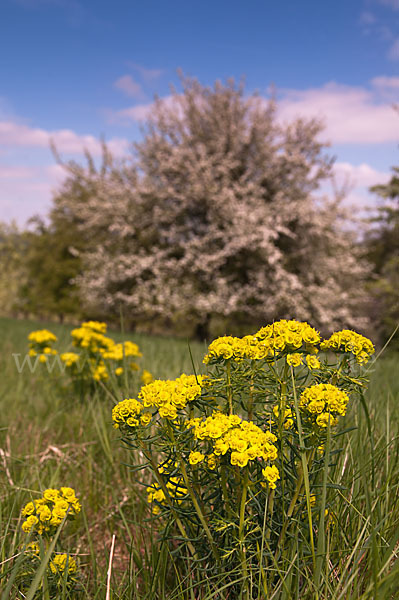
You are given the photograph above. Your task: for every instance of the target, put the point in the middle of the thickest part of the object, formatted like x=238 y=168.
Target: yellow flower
x=295 y=360
x=146 y=377
x=62 y=562
x=323 y=419
x=312 y=362
x=211 y=461
x=271 y=474
x=30 y=523
x=28 y=509
x=51 y=494
x=195 y=458
x=145 y=418
x=239 y=458
x=32 y=548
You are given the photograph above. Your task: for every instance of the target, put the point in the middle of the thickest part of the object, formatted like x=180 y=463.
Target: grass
x=48 y=438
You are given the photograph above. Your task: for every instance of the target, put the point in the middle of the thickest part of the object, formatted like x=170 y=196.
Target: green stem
x=241 y=536
x=169 y=500
x=265 y=532
x=228 y=387
x=223 y=482
x=200 y=514
x=335 y=377
x=193 y=497
x=290 y=512
x=251 y=397
x=305 y=472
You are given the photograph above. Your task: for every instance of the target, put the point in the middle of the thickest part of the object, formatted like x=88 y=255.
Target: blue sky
x=74 y=70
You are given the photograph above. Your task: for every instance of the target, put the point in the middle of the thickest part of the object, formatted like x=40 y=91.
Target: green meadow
x=50 y=438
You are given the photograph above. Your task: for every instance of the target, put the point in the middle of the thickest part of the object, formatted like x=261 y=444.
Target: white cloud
x=362 y=175
x=130 y=87
x=351 y=114
x=13 y=134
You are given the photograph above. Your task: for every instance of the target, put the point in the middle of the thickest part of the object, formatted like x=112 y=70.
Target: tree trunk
x=201 y=332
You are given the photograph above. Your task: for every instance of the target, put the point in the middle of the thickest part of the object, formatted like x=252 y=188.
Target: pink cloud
x=351 y=114
x=13 y=134
x=147 y=74
x=393 y=53
x=141 y=112
x=362 y=175
x=130 y=87
x=15 y=172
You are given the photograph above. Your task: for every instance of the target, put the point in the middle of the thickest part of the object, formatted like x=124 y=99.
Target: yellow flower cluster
x=118 y=351
x=350 y=341
x=169 y=396
x=95 y=326
x=324 y=402
x=69 y=358
x=268 y=342
x=289 y=335
x=40 y=342
x=99 y=371
x=177 y=491
x=42 y=336
x=61 y=562
x=46 y=513
x=245 y=440
x=237 y=349
x=128 y=412
x=90 y=336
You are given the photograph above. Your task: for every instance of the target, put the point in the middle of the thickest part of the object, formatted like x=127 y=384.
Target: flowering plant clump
x=95 y=357
x=62 y=572
x=236 y=457
x=43 y=518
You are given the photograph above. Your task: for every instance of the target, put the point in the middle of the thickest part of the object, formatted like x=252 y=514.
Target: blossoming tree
x=219 y=220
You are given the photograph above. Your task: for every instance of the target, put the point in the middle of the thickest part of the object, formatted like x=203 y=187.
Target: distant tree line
x=213 y=225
